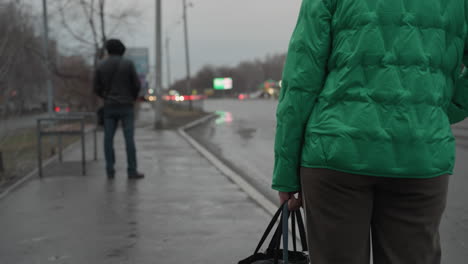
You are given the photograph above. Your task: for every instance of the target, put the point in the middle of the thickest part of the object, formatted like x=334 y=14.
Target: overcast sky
x=222 y=32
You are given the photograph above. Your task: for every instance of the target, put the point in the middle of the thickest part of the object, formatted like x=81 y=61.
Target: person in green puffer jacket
x=370 y=89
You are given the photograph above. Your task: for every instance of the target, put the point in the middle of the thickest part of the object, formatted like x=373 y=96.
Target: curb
x=251 y=191
x=35 y=172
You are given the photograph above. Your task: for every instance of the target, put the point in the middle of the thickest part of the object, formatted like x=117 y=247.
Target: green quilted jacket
x=371 y=87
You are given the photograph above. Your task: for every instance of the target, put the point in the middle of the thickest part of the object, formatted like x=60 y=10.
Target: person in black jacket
x=117 y=83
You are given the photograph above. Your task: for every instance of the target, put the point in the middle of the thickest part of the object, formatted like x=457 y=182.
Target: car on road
x=62 y=109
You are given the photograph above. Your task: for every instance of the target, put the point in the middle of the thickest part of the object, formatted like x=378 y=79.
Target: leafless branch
x=102 y=6
x=90 y=17
x=68 y=28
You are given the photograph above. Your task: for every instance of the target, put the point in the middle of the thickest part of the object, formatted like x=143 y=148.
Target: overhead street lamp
x=187 y=53
x=158 y=66
x=50 y=89
x=168 y=63
x=169 y=31
x=158 y=58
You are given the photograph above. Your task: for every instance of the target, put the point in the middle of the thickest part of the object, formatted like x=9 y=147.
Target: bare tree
x=20 y=71
x=23 y=68
x=90 y=22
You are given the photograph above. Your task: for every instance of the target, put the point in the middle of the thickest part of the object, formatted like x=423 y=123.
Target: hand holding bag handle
x=269 y=228
x=273 y=249
x=284 y=230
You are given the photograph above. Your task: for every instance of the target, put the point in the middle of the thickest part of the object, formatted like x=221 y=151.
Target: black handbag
x=275 y=255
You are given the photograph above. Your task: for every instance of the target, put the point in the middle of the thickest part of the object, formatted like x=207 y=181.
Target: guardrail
x=73 y=124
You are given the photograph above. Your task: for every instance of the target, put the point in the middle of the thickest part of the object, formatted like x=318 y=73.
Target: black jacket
x=116 y=81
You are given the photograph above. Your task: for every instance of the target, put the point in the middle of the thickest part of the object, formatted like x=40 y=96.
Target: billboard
x=222 y=84
x=140 y=57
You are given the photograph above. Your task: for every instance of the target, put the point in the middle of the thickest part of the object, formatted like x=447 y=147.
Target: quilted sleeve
x=303 y=78
x=458 y=109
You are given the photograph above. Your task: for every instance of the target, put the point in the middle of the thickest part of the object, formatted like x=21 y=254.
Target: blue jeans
x=112 y=115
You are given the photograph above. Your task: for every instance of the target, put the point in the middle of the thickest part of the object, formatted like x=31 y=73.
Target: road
x=243 y=137
x=19 y=122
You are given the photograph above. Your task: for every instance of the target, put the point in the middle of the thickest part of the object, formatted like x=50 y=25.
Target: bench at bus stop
x=59 y=126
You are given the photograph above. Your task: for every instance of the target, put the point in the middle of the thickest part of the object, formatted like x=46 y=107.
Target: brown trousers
x=404 y=216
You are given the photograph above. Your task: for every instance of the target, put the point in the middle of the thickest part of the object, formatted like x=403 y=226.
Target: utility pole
x=168 y=63
x=187 y=53
x=158 y=68
x=50 y=89
x=168 y=52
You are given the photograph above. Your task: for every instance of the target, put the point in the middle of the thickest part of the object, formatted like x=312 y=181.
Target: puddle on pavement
x=223 y=117
x=247 y=133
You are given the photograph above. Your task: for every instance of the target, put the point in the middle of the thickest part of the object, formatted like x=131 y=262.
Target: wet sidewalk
x=184 y=211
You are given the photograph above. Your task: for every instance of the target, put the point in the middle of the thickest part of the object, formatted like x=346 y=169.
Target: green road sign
x=222 y=83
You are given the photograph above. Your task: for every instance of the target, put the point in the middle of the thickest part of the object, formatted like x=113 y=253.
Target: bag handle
x=276 y=239
x=282 y=230
x=269 y=228
x=277 y=242
x=293 y=223
x=302 y=232
x=296 y=219
x=285 y=233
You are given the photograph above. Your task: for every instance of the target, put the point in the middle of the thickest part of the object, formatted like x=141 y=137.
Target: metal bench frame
x=78 y=118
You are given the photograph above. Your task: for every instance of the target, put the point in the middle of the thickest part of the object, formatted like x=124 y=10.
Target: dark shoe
x=136 y=176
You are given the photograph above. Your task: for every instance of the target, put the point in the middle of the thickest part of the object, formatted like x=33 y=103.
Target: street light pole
x=158 y=68
x=187 y=53
x=168 y=62
x=50 y=89
x=168 y=52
